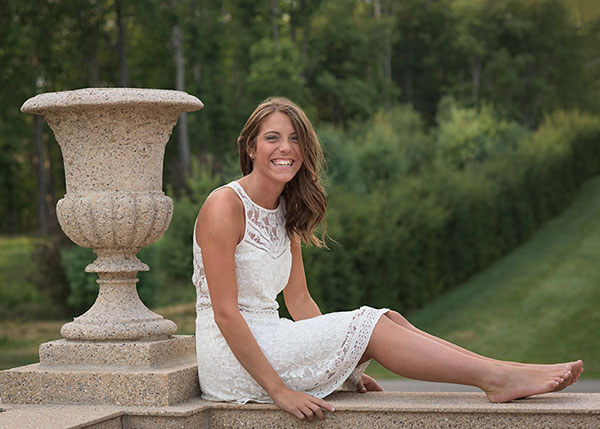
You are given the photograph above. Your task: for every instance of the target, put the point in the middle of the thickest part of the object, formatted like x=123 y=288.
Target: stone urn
x=113 y=143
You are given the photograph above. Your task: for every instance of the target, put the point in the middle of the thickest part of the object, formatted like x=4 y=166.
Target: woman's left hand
x=368 y=384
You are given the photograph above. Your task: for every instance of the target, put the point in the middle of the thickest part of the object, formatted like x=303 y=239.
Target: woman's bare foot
x=576 y=370
x=511 y=382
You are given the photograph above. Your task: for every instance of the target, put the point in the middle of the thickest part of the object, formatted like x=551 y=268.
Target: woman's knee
x=368 y=353
x=398 y=319
x=384 y=328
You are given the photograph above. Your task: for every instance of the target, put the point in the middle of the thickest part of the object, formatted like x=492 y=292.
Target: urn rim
x=111 y=97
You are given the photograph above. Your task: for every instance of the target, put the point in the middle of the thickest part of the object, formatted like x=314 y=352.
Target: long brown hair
x=304 y=196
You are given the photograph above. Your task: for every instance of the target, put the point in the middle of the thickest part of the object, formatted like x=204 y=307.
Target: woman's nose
x=285 y=145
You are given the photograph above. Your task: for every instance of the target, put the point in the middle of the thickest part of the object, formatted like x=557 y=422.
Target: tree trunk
x=377 y=8
x=89 y=37
x=51 y=220
x=379 y=11
x=124 y=78
x=307 y=30
x=275 y=28
x=182 y=131
x=41 y=173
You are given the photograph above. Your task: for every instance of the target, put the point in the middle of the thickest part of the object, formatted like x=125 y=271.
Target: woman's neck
x=265 y=193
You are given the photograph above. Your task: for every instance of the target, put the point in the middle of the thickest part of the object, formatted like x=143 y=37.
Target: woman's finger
x=317 y=410
x=324 y=404
x=361 y=387
x=307 y=412
x=298 y=414
x=374 y=386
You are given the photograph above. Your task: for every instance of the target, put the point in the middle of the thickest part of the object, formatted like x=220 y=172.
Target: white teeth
x=282 y=162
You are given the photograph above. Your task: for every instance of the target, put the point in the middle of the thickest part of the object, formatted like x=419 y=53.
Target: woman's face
x=277 y=155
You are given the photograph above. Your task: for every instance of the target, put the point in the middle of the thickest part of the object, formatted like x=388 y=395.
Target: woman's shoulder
x=224 y=201
x=222 y=213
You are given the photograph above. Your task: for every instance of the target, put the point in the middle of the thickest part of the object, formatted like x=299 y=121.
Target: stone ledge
x=33 y=384
x=373 y=410
x=61 y=416
x=179 y=349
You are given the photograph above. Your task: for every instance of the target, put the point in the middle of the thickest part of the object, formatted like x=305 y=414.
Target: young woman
x=247 y=249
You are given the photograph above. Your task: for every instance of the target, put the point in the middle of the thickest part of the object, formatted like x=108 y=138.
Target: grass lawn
x=540 y=303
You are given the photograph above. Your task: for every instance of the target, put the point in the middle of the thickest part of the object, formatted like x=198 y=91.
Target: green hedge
x=408 y=239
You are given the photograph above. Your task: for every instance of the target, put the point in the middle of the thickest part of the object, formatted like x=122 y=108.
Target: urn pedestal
x=118 y=352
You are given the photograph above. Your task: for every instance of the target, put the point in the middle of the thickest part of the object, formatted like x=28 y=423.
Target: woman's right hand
x=300 y=404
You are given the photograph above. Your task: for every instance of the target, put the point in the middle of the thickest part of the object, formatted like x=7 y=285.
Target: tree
x=120 y=45
x=183 y=140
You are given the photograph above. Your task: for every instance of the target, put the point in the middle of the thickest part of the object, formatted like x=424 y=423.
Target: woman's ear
x=250 y=149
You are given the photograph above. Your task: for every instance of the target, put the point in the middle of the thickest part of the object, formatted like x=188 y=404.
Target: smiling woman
x=276 y=155
x=303 y=194
x=247 y=249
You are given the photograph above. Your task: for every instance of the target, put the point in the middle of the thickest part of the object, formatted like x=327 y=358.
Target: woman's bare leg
x=576 y=366
x=412 y=355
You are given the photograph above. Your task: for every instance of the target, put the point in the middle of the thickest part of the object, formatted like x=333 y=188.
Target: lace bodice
x=263 y=259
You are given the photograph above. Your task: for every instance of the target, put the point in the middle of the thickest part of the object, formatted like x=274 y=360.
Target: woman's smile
x=283 y=162
x=277 y=155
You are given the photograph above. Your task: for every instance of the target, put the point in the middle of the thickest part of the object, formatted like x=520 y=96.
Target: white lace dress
x=314 y=355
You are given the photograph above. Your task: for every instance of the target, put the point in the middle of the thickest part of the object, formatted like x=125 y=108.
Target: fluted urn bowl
x=113 y=142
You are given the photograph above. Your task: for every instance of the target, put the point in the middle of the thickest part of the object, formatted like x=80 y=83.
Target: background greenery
x=537 y=304
x=453 y=131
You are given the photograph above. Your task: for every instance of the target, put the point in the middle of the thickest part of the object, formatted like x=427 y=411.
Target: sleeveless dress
x=314 y=355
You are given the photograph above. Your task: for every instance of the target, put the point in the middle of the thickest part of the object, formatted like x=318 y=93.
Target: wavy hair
x=304 y=197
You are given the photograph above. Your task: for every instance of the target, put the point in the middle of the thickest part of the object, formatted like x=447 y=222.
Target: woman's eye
x=294 y=139
x=271 y=138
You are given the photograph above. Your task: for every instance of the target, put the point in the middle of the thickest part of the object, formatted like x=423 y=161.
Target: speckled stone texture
x=178 y=350
x=33 y=384
x=354 y=410
x=113 y=142
x=118 y=352
x=61 y=417
x=430 y=410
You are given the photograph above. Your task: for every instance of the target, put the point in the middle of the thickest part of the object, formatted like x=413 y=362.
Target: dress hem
x=352 y=371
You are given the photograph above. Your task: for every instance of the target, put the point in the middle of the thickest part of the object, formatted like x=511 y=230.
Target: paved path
x=403 y=385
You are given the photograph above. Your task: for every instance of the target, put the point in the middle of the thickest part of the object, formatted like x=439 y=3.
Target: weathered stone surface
x=118 y=352
x=113 y=141
x=118 y=314
x=61 y=417
x=369 y=410
x=177 y=350
x=34 y=384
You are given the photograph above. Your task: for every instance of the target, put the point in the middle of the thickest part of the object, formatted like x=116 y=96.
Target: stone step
x=368 y=410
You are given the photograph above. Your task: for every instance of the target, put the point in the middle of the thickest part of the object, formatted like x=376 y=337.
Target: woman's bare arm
x=219 y=229
x=296 y=295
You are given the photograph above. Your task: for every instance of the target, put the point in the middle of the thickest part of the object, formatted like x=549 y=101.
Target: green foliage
x=49 y=276
x=394 y=144
x=83 y=288
x=442 y=201
x=343 y=61
x=18 y=295
x=415 y=235
x=176 y=244
x=466 y=135
x=275 y=71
